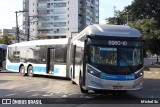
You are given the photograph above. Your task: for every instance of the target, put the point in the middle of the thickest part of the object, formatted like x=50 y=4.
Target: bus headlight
x=93 y=72
x=139 y=74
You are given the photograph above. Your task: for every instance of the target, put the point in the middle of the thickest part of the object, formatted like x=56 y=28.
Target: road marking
x=64 y=96
x=149 y=72
x=45 y=88
x=30 y=91
x=45 y=95
x=35 y=95
x=12 y=94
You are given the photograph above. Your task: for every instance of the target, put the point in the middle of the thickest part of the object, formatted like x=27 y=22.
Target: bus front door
x=50 y=60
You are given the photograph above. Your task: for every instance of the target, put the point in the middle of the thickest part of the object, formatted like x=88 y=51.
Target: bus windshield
x=129 y=56
x=104 y=55
x=116 y=56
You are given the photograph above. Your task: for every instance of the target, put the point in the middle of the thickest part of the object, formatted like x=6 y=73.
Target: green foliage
x=5 y=40
x=144 y=9
x=143 y=15
x=148 y=28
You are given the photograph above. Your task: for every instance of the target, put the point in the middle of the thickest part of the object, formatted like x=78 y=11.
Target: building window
x=42 y=5
x=59 y=4
x=59 y=24
x=60 y=17
x=59 y=11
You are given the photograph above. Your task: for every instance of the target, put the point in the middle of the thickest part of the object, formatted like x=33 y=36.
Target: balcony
x=43 y=0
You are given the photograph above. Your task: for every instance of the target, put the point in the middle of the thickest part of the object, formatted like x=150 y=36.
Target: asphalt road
x=12 y=85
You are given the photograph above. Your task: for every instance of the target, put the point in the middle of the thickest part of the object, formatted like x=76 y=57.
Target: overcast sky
x=8 y=8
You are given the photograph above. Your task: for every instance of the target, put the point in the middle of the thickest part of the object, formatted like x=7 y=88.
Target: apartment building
x=59 y=18
x=8 y=31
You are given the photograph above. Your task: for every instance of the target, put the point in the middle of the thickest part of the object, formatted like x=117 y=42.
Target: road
x=12 y=85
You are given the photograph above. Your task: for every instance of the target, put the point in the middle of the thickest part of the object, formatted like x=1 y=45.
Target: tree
x=148 y=28
x=5 y=40
x=145 y=16
x=144 y=9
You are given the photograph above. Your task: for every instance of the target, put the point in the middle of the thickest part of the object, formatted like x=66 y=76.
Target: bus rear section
x=43 y=57
x=3 y=49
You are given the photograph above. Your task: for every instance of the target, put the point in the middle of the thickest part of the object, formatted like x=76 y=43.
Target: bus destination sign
x=117 y=43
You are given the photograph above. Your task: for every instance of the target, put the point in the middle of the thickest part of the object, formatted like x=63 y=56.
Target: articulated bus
x=3 y=49
x=101 y=57
x=45 y=57
x=107 y=57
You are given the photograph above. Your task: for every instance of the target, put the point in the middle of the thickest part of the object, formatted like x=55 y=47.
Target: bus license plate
x=117 y=87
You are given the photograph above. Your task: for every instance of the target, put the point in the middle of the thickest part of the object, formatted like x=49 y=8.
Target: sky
x=9 y=7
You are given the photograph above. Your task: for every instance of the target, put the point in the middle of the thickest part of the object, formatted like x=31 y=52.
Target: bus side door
x=50 y=60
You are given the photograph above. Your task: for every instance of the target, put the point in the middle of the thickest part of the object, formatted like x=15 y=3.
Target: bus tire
x=30 y=71
x=22 y=71
x=81 y=86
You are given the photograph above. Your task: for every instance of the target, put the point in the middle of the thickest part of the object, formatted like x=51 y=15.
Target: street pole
x=28 y=36
x=17 y=28
x=127 y=18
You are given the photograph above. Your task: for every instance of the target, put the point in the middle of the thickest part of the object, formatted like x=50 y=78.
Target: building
x=8 y=31
x=59 y=18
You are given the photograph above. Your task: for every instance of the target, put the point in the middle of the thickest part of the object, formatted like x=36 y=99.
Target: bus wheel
x=81 y=86
x=22 y=71
x=30 y=71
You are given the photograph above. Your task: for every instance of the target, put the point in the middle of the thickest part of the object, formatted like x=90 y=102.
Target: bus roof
x=3 y=46
x=42 y=42
x=110 y=30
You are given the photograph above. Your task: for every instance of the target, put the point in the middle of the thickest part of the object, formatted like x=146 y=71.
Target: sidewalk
x=153 y=67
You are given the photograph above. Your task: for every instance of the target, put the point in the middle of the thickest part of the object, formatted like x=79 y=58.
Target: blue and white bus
x=107 y=57
x=101 y=57
x=3 y=49
x=45 y=57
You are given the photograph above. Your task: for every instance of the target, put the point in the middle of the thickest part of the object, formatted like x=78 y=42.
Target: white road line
x=35 y=95
x=30 y=91
x=149 y=72
x=45 y=95
x=45 y=88
x=12 y=94
x=64 y=96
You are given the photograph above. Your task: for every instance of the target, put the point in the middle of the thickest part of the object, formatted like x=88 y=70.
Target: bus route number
x=117 y=43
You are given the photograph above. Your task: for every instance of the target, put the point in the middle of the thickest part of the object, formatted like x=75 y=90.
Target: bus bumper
x=95 y=83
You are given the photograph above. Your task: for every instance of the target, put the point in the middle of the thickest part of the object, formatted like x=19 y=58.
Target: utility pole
x=127 y=18
x=17 y=28
x=114 y=14
x=28 y=36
